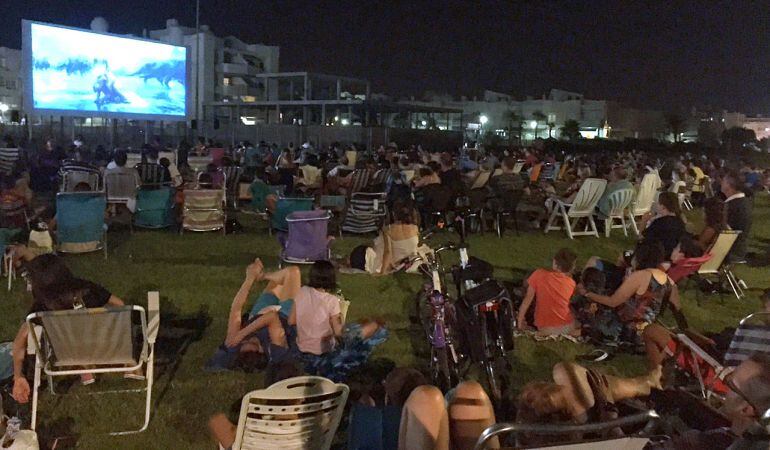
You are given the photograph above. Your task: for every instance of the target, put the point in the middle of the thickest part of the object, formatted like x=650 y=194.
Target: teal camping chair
x=286 y=206
x=80 y=226
x=154 y=208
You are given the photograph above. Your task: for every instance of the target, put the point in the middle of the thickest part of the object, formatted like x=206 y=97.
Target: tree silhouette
x=514 y=123
x=539 y=117
x=570 y=130
x=675 y=124
x=551 y=126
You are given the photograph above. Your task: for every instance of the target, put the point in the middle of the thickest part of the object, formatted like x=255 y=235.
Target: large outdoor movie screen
x=73 y=71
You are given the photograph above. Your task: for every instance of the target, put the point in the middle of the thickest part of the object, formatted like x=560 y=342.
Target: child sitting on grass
x=551 y=289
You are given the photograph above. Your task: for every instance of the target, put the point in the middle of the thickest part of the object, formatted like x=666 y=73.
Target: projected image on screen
x=80 y=71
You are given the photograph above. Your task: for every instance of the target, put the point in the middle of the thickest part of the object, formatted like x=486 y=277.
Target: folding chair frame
x=37 y=346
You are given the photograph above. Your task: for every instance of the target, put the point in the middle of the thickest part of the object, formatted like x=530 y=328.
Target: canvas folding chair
x=300 y=413
x=506 y=204
x=80 y=220
x=581 y=208
x=645 y=197
x=72 y=175
x=352 y=157
x=751 y=336
x=8 y=159
x=619 y=202
x=359 y=181
x=153 y=174
x=204 y=210
x=631 y=442
x=199 y=163
x=718 y=264
x=90 y=341
x=154 y=208
x=286 y=206
x=13 y=214
x=311 y=177
x=336 y=205
x=120 y=187
x=481 y=180
x=365 y=212
x=232 y=176
x=307 y=240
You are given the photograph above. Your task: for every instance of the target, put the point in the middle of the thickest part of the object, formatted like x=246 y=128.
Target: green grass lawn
x=198 y=274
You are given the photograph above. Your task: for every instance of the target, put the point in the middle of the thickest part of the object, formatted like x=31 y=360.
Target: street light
x=3 y=107
x=483 y=119
x=533 y=124
x=345 y=122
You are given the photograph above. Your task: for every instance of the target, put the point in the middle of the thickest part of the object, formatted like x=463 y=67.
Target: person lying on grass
x=55 y=288
x=259 y=338
x=579 y=395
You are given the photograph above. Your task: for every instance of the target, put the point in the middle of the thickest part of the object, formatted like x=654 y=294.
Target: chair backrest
x=360 y=180
x=204 y=199
x=678 y=187
x=437 y=197
x=351 y=156
x=719 y=251
x=481 y=180
x=752 y=335
x=199 y=163
x=332 y=202
x=88 y=337
x=80 y=216
x=120 y=186
x=620 y=200
x=286 y=206
x=368 y=203
x=408 y=175
x=297 y=413
x=646 y=195
x=72 y=176
x=588 y=196
x=8 y=159
x=518 y=166
x=154 y=207
x=307 y=239
x=232 y=177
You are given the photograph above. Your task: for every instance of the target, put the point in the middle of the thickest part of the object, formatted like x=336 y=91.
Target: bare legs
x=655 y=338
x=222 y=430
x=426 y=423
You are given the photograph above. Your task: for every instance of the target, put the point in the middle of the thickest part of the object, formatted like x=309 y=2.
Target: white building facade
x=10 y=85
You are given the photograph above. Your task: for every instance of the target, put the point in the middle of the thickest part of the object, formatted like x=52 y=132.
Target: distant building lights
x=345 y=122
x=533 y=124
x=483 y=119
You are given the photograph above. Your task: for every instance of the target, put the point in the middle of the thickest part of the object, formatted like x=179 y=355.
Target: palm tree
x=570 y=130
x=512 y=118
x=551 y=126
x=675 y=125
x=539 y=117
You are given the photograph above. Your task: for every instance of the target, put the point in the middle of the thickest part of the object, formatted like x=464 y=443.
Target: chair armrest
x=34 y=331
x=153 y=316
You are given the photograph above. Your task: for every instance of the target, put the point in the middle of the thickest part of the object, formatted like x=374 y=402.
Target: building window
x=226 y=81
x=551 y=118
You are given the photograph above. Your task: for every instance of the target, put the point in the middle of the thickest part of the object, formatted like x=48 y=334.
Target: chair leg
x=607 y=226
x=35 y=388
x=593 y=226
x=551 y=219
x=623 y=222
x=632 y=220
x=568 y=225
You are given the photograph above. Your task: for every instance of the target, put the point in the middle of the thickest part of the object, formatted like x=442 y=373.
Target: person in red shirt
x=551 y=290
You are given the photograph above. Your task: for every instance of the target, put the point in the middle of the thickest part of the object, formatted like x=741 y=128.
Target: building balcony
x=236 y=69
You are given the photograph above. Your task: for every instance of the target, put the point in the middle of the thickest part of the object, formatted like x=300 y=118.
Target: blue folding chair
x=154 y=208
x=286 y=206
x=80 y=220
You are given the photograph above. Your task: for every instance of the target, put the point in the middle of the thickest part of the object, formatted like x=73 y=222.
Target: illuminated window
x=551 y=117
x=226 y=81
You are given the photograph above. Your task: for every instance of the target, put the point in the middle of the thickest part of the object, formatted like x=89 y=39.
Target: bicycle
x=437 y=316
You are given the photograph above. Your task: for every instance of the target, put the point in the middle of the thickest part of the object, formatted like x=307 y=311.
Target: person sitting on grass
x=596 y=321
x=551 y=289
x=578 y=395
x=318 y=318
x=263 y=336
x=55 y=288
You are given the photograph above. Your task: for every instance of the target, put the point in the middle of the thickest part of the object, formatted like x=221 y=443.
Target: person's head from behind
x=649 y=254
x=508 y=164
x=687 y=248
x=564 y=260
x=541 y=402
x=593 y=280
x=404 y=213
x=399 y=384
x=46 y=272
x=152 y=155
x=668 y=204
x=82 y=187
x=164 y=162
x=121 y=158
x=425 y=171
x=714 y=213
x=446 y=161
x=731 y=184
x=322 y=276
x=251 y=355
x=749 y=395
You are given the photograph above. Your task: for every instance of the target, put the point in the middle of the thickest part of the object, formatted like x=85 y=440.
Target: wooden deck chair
x=645 y=197
x=481 y=180
x=619 y=202
x=626 y=443
x=718 y=265
x=102 y=339
x=581 y=208
x=300 y=413
x=204 y=210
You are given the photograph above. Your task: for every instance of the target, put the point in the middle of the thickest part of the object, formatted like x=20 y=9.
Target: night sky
x=668 y=55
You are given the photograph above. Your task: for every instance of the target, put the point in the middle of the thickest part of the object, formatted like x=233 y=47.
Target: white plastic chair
x=680 y=189
x=645 y=198
x=717 y=264
x=619 y=202
x=90 y=341
x=581 y=208
x=300 y=413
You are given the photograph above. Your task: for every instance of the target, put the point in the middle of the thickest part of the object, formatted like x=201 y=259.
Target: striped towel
x=750 y=337
x=8 y=158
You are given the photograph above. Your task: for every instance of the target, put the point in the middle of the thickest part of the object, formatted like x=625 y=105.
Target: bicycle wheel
x=495 y=392
x=424 y=314
x=440 y=372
